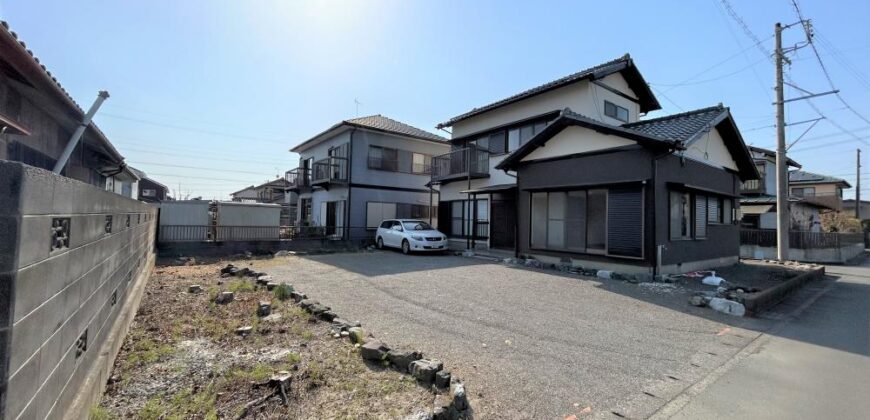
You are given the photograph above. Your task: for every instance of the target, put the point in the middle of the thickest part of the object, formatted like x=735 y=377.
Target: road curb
x=756 y=303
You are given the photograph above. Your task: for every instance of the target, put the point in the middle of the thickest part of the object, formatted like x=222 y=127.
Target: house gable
x=710 y=148
x=576 y=140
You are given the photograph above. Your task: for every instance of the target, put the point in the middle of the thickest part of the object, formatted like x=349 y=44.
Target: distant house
x=274 y=192
x=823 y=190
x=38 y=117
x=152 y=191
x=758 y=201
x=361 y=171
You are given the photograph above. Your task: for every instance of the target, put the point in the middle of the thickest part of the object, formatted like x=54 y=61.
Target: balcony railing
x=393 y=165
x=753 y=186
x=467 y=162
x=332 y=169
x=298 y=178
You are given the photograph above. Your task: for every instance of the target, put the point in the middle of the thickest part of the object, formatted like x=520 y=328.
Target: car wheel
x=380 y=243
x=406 y=247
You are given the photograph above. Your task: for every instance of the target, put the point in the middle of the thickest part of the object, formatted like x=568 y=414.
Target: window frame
x=616 y=108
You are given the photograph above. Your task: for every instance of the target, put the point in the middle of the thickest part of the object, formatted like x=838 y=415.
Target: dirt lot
x=183 y=359
x=530 y=344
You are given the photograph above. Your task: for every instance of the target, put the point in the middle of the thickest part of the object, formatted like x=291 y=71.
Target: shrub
x=282 y=291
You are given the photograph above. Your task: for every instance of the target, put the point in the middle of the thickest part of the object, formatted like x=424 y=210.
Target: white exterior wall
x=574 y=140
x=187 y=213
x=582 y=97
x=248 y=214
x=711 y=149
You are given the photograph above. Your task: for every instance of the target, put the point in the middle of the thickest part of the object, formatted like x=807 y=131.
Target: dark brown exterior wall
x=722 y=240
x=633 y=164
x=146 y=183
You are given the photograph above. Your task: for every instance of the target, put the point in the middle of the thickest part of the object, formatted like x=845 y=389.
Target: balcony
x=469 y=162
x=329 y=171
x=298 y=179
x=753 y=186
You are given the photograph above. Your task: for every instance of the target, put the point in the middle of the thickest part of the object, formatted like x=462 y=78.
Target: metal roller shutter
x=625 y=222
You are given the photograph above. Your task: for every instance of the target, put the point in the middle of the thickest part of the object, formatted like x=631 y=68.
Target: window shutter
x=700 y=216
x=625 y=222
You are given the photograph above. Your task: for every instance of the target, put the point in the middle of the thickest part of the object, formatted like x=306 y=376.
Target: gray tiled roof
x=681 y=127
x=798 y=177
x=609 y=67
x=382 y=123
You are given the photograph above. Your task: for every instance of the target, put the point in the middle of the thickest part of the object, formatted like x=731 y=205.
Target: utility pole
x=80 y=130
x=782 y=211
x=858 y=187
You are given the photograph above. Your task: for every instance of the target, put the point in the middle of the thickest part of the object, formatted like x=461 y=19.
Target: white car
x=410 y=235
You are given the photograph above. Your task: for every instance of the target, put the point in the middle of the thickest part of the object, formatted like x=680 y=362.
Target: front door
x=503 y=223
x=331 y=220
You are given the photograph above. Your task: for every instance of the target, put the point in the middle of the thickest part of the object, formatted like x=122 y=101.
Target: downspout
x=347 y=226
x=80 y=130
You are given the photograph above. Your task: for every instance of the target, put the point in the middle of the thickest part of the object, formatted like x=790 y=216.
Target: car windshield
x=416 y=225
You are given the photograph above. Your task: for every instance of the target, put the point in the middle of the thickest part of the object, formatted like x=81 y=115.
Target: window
x=513 y=139
x=383 y=158
x=149 y=193
x=700 y=216
x=727 y=211
x=377 y=212
x=803 y=192
x=420 y=163
x=497 y=143
x=714 y=209
x=680 y=215
x=596 y=221
x=387 y=224
x=460 y=215
x=613 y=110
x=416 y=225
x=306 y=210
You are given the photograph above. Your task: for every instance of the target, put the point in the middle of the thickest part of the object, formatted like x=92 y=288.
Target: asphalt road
x=813 y=364
x=529 y=344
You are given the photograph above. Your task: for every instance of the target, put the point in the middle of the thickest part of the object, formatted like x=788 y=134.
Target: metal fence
x=800 y=240
x=215 y=233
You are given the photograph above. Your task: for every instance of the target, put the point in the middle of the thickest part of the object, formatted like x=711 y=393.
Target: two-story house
x=758 y=201
x=361 y=171
x=271 y=192
x=819 y=189
x=567 y=171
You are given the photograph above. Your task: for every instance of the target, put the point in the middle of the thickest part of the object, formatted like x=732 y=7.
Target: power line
x=812 y=45
x=200 y=168
x=700 y=82
x=191 y=129
x=667 y=98
x=193 y=177
x=151 y=152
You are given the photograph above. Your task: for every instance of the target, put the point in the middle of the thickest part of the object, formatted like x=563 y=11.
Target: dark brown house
x=653 y=196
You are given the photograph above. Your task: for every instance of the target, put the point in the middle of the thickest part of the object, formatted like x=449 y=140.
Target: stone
x=243 y=331
x=271 y=286
x=374 y=350
x=401 y=359
x=340 y=324
x=604 y=274
x=282 y=253
x=297 y=296
x=344 y=334
x=283 y=377
x=264 y=308
x=697 y=300
x=441 y=408
x=460 y=398
x=424 y=370
x=468 y=253
x=419 y=415
x=306 y=303
x=228 y=269
x=357 y=335
x=243 y=272
x=194 y=288
x=264 y=279
x=318 y=309
x=273 y=318
x=442 y=379
x=327 y=315
x=224 y=297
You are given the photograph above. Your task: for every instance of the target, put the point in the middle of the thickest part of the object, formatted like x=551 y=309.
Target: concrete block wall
x=58 y=303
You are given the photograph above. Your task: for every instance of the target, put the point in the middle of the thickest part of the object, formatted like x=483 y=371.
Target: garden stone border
x=450 y=405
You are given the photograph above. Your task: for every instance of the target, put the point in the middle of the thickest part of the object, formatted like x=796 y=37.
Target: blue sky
x=208 y=96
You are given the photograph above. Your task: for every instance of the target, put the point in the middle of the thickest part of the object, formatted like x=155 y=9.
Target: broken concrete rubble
x=374 y=350
x=264 y=308
x=424 y=370
x=357 y=335
x=194 y=288
x=402 y=359
x=224 y=297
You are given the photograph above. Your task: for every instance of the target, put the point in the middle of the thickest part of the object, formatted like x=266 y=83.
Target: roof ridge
x=543 y=86
x=681 y=114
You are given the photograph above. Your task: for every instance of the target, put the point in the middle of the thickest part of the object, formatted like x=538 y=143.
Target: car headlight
x=417 y=238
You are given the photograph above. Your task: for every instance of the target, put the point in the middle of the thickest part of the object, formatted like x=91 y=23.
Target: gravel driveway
x=528 y=343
